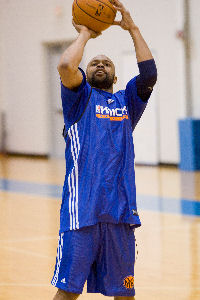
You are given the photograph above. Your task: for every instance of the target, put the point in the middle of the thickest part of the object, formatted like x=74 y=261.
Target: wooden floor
x=168 y=264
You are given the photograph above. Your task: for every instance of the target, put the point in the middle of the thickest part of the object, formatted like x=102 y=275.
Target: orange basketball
x=97 y=15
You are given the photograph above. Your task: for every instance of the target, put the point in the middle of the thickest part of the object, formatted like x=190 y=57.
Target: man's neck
x=110 y=90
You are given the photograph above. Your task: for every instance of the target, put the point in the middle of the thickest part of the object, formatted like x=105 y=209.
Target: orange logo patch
x=129 y=282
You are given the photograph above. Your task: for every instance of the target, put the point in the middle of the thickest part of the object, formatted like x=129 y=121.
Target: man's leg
x=62 y=295
x=124 y=298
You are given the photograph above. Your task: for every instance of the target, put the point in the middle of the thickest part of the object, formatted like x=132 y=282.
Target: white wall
x=2 y=67
x=27 y=25
x=195 y=56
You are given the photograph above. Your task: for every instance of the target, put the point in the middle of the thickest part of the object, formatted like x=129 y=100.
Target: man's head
x=101 y=73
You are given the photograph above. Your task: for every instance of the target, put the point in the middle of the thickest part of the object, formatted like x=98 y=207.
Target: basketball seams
x=107 y=6
x=92 y=16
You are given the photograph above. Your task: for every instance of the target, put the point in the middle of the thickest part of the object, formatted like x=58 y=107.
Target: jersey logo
x=63 y=280
x=115 y=114
x=129 y=282
x=135 y=213
x=110 y=101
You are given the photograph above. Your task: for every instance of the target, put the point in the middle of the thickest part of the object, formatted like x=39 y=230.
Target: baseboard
x=26 y=155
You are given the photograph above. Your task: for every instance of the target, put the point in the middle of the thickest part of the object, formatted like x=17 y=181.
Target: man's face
x=101 y=72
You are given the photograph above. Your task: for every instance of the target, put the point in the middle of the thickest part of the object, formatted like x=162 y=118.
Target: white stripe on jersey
x=59 y=258
x=73 y=190
x=76 y=172
x=70 y=197
x=72 y=148
x=73 y=196
x=75 y=146
x=76 y=130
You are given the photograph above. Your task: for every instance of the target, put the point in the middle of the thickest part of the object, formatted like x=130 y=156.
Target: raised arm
x=147 y=67
x=142 y=50
x=71 y=76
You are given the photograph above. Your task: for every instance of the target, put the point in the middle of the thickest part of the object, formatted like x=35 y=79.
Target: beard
x=105 y=82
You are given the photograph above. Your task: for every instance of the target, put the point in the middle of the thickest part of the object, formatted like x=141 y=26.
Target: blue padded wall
x=189 y=137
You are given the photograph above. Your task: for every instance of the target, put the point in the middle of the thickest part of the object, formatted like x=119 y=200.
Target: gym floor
x=168 y=263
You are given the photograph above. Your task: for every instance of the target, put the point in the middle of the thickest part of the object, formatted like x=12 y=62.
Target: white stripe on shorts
x=59 y=258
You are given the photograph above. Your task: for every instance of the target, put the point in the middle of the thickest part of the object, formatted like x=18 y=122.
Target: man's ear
x=115 y=80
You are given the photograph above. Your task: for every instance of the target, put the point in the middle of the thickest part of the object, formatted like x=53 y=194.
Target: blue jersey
x=100 y=177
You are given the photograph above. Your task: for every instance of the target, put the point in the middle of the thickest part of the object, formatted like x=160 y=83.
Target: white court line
x=26 y=252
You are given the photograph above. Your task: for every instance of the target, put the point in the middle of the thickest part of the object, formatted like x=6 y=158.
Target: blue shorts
x=103 y=254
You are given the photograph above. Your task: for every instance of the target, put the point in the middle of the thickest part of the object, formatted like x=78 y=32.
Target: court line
x=41 y=189
x=169 y=205
x=147 y=202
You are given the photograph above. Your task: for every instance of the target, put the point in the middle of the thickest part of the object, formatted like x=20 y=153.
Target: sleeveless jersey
x=99 y=184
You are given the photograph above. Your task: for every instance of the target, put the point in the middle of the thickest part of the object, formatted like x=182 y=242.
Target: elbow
x=153 y=79
x=64 y=67
x=146 y=83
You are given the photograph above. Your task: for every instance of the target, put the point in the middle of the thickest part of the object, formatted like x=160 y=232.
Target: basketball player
x=98 y=213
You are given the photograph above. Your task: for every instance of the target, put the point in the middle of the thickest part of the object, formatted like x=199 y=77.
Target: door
x=57 y=143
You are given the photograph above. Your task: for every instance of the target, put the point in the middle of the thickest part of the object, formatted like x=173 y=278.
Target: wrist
x=85 y=34
x=133 y=29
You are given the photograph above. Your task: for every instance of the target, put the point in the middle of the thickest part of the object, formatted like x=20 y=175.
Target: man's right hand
x=81 y=28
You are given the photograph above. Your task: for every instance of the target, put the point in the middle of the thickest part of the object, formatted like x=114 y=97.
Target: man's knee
x=62 y=295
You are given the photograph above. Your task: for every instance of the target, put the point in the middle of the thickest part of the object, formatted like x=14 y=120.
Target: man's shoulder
x=120 y=92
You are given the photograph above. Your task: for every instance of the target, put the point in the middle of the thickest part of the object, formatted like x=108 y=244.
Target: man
x=98 y=212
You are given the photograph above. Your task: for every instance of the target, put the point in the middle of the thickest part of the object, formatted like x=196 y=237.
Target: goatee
x=101 y=83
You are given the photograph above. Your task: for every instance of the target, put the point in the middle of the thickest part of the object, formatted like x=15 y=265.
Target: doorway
x=57 y=143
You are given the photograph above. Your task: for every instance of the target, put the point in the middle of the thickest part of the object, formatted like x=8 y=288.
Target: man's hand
x=81 y=28
x=126 y=22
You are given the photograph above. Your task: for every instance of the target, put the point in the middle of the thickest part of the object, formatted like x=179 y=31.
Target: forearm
x=142 y=50
x=146 y=79
x=72 y=56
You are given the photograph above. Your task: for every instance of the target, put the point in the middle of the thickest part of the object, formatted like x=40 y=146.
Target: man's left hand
x=126 y=22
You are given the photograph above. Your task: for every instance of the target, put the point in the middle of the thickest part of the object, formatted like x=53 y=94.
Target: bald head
x=102 y=58
x=101 y=73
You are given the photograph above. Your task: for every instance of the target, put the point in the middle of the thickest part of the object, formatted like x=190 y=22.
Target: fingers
x=117 y=5
x=117 y=23
x=95 y=34
x=79 y=28
x=75 y=24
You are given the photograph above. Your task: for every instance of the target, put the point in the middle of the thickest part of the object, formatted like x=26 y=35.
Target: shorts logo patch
x=129 y=282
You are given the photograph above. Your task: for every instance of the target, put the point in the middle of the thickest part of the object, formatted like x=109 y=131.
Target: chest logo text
x=115 y=114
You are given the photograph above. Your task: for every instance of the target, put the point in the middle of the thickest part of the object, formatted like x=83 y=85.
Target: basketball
x=95 y=14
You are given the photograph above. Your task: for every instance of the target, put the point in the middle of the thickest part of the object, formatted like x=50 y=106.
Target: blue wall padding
x=189 y=136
